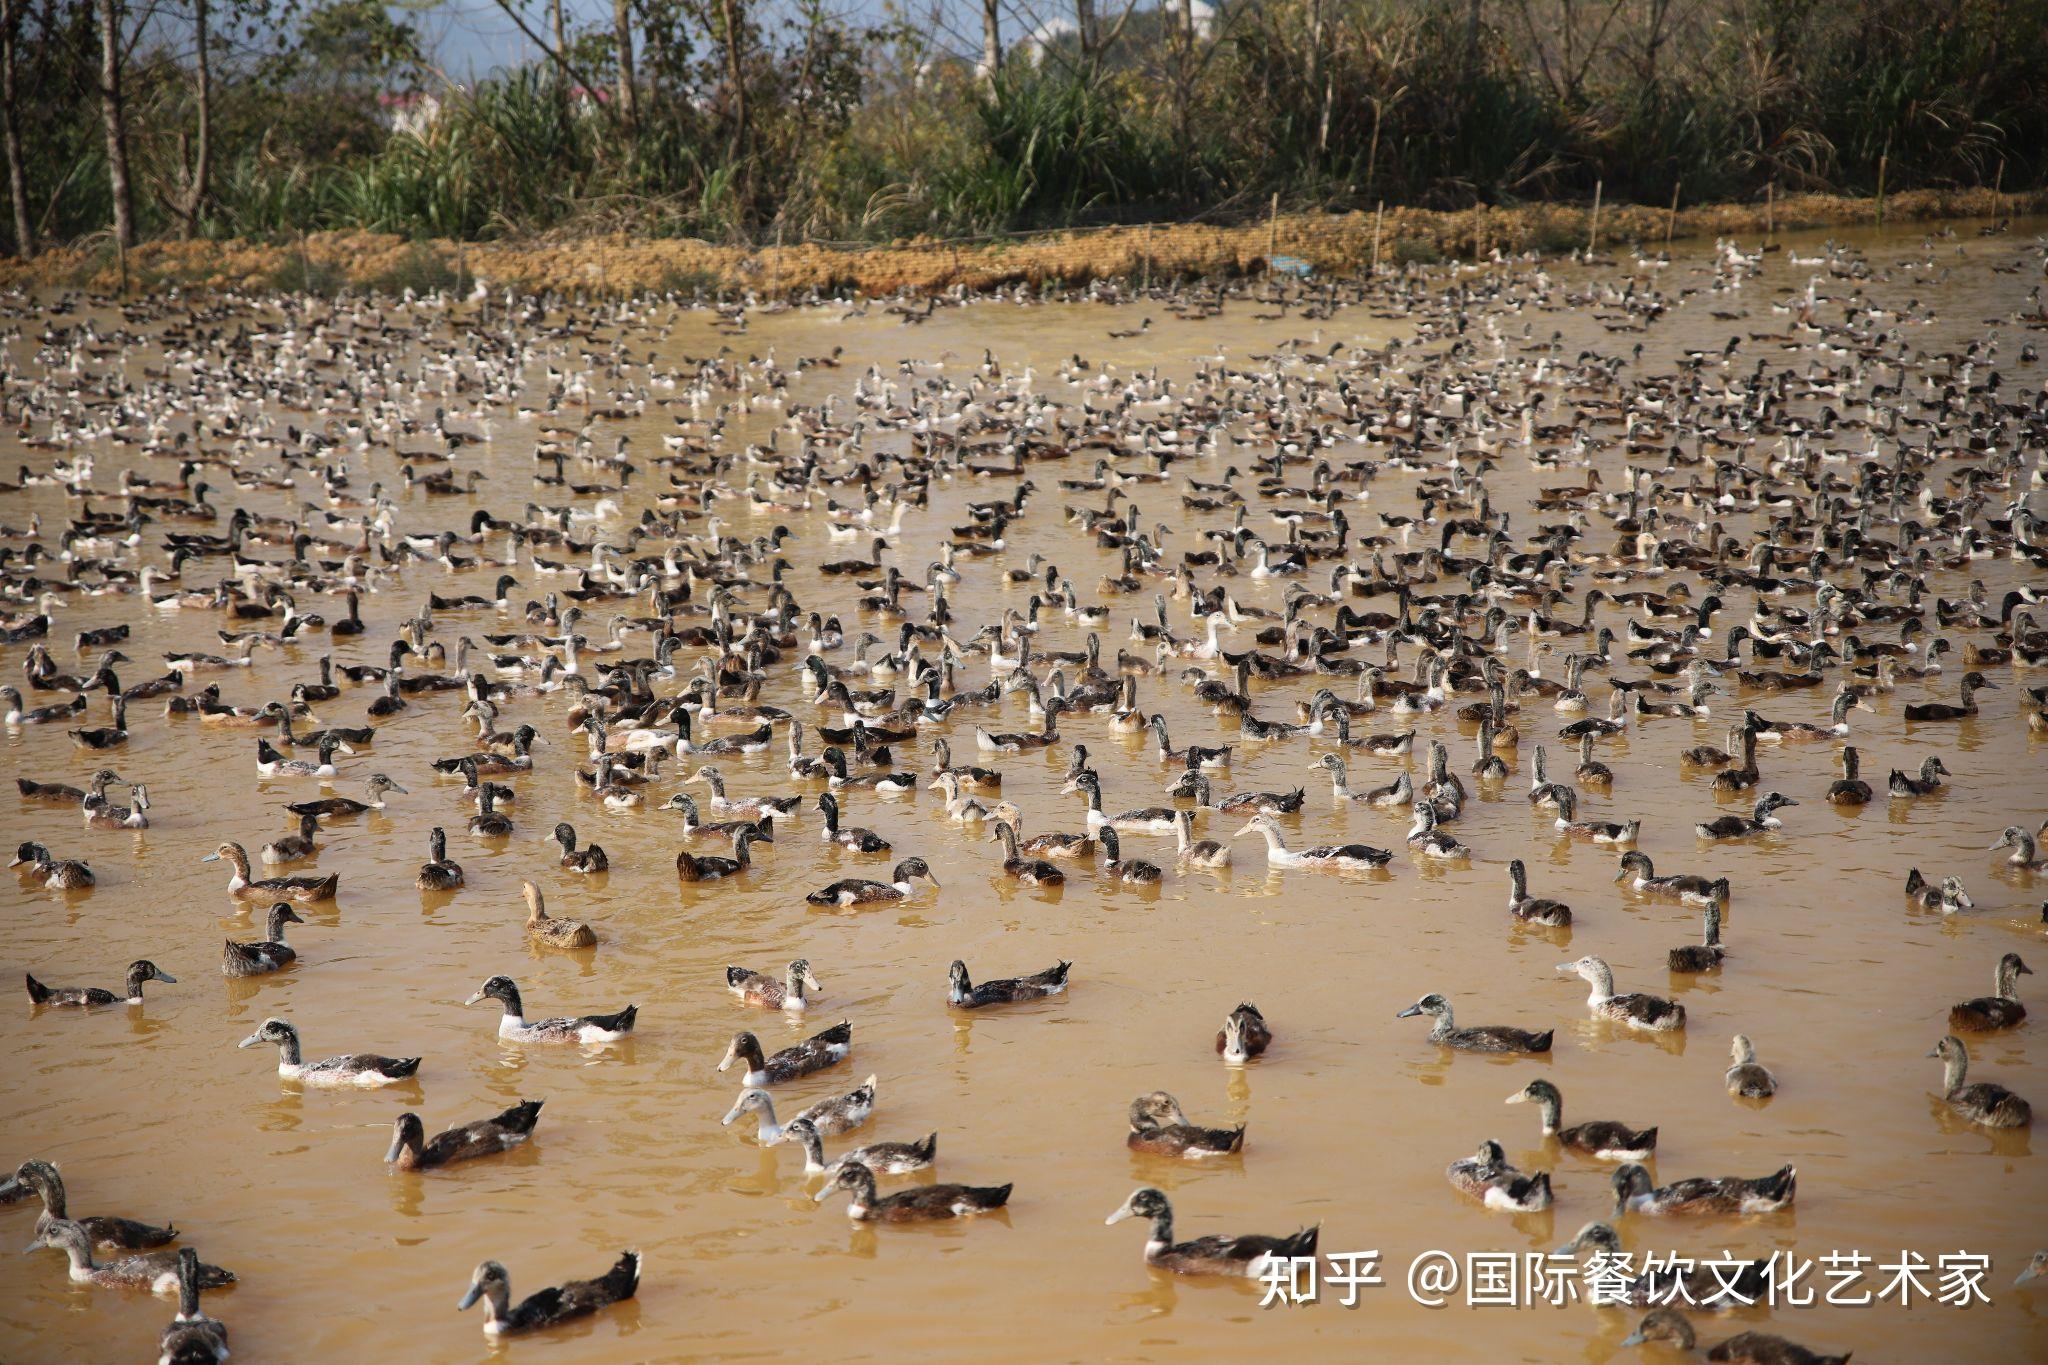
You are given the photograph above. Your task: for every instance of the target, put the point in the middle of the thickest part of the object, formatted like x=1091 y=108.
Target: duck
x=1024 y=742
x=588 y=1029
x=301 y=888
x=1973 y=682
x=333 y=807
x=1602 y=1138
x=847 y=836
x=1030 y=871
x=1533 y=910
x=961 y=993
x=589 y=861
x=919 y=1204
x=831 y=1117
x=294 y=848
x=861 y=891
x=355 y=1068
x=1486 y=1038
x=752 y=807
x=1648 y=1012
x=1596 y=831
x=156 y=1271
x=557 y=1303
x=86 y=997
x=1803 y=732
x=107 y=815
x=1744 y=1348
x=1706 y=1285
x=1248 y=1257
x=412 y=1150
x=1948 y=896
x=1849 y=789
x=53 y=873
x=1192 y=852
x=1159 y=1128
x=2001 y=1009
x=1746 y=1077
x=881 y=1158
x=693 y=828
x=271 y=763
x=1638 y=874
x=691 y=867
x=1322 y=857
x=1707 y=954
x=543 y=928
x=1985 y=1103
x=1130 y=871
x=1150 y=820
x=1488 y=1177
x=437 y=873
x=820 y=1050
x=269 y=954
x=1761 y=819
x=41 y=1178
x=191 y=1338
x=2024 y=848
x=1194 y=756
x=1932 y=770
x=1635 y=1193
x=765 y=992
x=1245 y=1034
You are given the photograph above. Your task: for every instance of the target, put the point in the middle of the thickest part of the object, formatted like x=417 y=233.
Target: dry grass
x=1333 y=244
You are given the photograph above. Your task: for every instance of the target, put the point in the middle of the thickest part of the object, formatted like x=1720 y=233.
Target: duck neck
x=288 y=1048
x=814 y=1149
x=2009 y=976
x=1601 y=978
x=1955 y=1066
x=1444 y=1026
x=1162 y=1228
x=1518 y=879
x=1552 y=1106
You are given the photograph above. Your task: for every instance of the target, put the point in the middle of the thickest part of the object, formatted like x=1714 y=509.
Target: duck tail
x=766 y=824
x=623 y=1279
x=827 y=896
x=1540 y=1042
x=929 y=1148
x=37 y=991
x=841 y=1032
x=521 y=1117
x=1302 y=1243
x=403 y=1067
x=1237 y=1137
x=324 y=890
x=622 y=1022
x=999 y=1195
x=1782 y=1185
x=1646 y=1140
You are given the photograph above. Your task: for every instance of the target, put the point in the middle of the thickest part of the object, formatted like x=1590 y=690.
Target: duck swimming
x=55 y=874
x=355 y=1068
x=437 y=873
x=813 y=1054
x=1932 y=770
x=1523 y=906
x=1762 y=819
x=1247 y=1256
x=922 y=1203
x=1746 y=1077
x=589 y=860
x=1245 y=1035
x=1489 y=1178
x=1634 y=1193
x=1947 y=897
x=860 y=891
x=1648 y=1012
x=881 y=1158
x=1486 y=1038
x=765 y=992
x=1972 y=683
x=294 y=848
x=1706 y=1286
x=156 y=1271
x=2000 y=1010
x=191 y=1338
x=964 y=994
x=559 y=1303
x=543 y=928
x=847 y=836
x=412 y=1150
x=301 y=888
x=1745 y=1348
x=1706 y=955
x=1602 y=1138
x=1159 y=1128
x=41 y=1178
x=269 y=954
x=1323 y=857
x=85 y=997
x=2024 y=846
x=588 y=1029
x=338 y=807
x=831 y=1117
x=1850 y=790
x=1984 y=1103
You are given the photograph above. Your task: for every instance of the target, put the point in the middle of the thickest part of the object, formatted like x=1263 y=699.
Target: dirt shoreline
x=1333 y=244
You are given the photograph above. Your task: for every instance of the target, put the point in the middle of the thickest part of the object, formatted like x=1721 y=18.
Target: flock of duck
x=1762 y=523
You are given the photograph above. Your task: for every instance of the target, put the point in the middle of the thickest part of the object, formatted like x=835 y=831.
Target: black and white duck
x=963 y=993
x=41 y=1179
x=766 y=992
x=847 y=836
x=1850 y=789
x=1159 y=1128
x=1247 y=1256
x=1485 y=1038
x=355 y=1068
x=438 y=873
x=191 y=1337
x=1926 y=783
x=1744 y=1348
x=1592 y=831
x=86 y=997
x=2001 y=1009
x=1947 y=895
x=1117 y=868
x=831 y=1117
x=590 y=860
x=1746 y=1077
x=156 y=1271
x=1245 y=1034
x=2025 y=850
x=341 y=807
x=1533 y=909
x=1707 y=954
x=269 y=954
x=1634 y=1192
x=588 y=1029
x=412 y=1150
x=1986 y=1102
x=919 y=1204
x=694 y=867
x=1488 y=1177
x=881 y=1158
x=1639 y=875
x=44 y=869
x=1648 y=1012
x=557 y=1303
x=1972 y=683
x=1603 y=1138
x=1761 y=820
x=861 y=891
x=829 y=1048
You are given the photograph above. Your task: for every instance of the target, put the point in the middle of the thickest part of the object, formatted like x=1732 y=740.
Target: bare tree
x=185 y=200
x=10 y=124
x=113 y=116
x=622 y=32
x=991 y=40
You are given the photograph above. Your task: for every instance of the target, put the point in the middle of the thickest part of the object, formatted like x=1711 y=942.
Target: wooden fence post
x=1593 y=232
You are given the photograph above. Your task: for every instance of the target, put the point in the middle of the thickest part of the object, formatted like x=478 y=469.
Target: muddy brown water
x=153 y=1113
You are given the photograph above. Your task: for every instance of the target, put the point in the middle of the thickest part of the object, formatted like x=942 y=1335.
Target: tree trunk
x=1184 y=76
x=202 y=160
x=733 y=20
x=1084 y=31
x=622 y=30
x=1471 y=60
x=114 y=117
x=561 y=55
x=991 y=41
x=10 y=125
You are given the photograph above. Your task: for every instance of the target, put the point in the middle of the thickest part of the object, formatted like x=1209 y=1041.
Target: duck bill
x=1634 y=1339
x=935 y=882
x=2028 y=1276
x=1410 y=1012
x=397 y=1146
x=1118 y=1216
x=1517 y=1098
x=165 y=976
x=475 y=1292
x=211 y=858
x=822 y=1195
x=251 y=1040
x=731 y=1114
x=474 y=998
